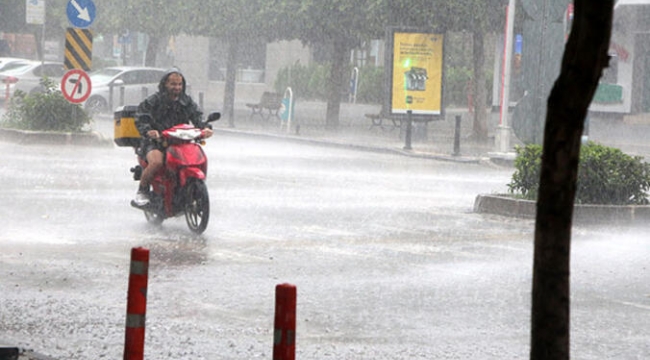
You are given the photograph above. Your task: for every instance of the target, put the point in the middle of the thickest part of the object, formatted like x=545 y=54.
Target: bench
x=269 y=105
x=378 y=120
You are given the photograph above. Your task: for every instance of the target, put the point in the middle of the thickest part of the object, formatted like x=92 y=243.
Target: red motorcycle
x=179 y=187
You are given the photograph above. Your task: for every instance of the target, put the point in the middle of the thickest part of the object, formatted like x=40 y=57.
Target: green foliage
x=371 y=85
x=606 y=175
x=46 y=111
x=307 y=82
x=456 y=85
x=528 y=163
x=310 y=82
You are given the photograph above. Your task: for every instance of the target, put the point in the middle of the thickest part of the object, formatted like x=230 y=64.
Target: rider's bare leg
x=154 y=163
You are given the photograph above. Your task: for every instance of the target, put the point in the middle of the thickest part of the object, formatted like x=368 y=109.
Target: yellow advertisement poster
x=417 y=73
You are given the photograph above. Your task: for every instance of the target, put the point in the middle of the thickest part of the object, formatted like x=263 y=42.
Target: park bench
x=269 y=105
x=378 y=120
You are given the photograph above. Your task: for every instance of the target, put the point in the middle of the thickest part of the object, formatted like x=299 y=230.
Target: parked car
x=137 y=82
x=8 y=63
x=27 y=77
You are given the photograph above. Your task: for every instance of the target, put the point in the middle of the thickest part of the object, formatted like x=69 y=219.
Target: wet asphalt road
x=388 y=258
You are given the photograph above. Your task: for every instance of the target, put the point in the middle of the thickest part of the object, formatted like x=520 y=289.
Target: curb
x=27 y=137
x=505 y=205
x=367 y=148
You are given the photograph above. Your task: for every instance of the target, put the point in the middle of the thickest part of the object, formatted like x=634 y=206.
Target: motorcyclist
x=169 y=106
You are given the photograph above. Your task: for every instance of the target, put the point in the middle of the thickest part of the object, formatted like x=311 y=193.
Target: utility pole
x=504 y=125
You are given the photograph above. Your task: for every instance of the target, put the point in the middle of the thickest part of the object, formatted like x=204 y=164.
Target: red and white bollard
x=284 y=339
x=136 y=306
x=7 y=93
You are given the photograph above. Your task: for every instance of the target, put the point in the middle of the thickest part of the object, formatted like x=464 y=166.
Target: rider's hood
x=161 y=85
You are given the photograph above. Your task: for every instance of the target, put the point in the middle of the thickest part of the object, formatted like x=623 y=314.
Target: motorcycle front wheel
x=153 y=218
x=197 y=207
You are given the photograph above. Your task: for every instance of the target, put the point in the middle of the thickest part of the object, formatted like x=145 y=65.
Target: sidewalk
x=435 y=140
x=355 y=130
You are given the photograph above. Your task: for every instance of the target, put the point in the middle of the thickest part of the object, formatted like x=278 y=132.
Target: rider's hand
x=153 y=134
x=207 y=132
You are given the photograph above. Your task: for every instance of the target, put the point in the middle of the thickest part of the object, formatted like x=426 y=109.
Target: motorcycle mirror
x=214 y=116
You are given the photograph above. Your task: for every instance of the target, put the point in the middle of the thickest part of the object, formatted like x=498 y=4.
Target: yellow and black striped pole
x=78 y=49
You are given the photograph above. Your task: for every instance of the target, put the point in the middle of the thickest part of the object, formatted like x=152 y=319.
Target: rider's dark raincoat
x=166 y=112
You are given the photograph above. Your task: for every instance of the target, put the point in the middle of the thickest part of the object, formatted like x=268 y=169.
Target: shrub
x=606 y=175
x=310 y=82
x=46 y=111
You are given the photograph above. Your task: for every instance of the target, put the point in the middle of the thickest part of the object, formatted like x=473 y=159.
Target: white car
x=8 y=63
x=137 y=82
x=27 y=77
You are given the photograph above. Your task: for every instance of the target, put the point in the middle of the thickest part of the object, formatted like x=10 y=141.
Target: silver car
x=119 y=85
x=8 y=63
x=27 y=77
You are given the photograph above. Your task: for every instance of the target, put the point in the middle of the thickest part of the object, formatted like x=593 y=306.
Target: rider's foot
x=141 y=198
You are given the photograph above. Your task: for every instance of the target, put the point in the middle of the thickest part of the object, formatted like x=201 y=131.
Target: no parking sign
x=76 y=86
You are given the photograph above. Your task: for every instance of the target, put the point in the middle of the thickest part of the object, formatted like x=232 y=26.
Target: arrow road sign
x=76 y=86
x=81 y=13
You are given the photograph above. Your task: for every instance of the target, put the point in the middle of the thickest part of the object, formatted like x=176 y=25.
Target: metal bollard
x=136 y=307
x=457 y=137
x=122 y=90
x=409 y=129
x=284 y=336
x=110 y=97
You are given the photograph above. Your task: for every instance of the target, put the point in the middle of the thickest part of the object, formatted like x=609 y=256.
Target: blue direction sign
x=81 y=13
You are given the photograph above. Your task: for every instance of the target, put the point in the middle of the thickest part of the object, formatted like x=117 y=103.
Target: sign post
x=35 y=12
x=81 y=13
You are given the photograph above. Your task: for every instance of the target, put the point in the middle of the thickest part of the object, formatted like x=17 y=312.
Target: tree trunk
x=231 y=78
x=336 y=83
x=585 y=57
x=479 y=128
x=152 y=51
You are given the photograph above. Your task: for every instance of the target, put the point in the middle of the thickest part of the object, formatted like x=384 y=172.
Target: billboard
x=416 y=72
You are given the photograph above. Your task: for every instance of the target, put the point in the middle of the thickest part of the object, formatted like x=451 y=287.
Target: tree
x=337 y=25
x=584 y=59
x=479 y=17
x=158 y=21
x=13 y=20
x=234 y=22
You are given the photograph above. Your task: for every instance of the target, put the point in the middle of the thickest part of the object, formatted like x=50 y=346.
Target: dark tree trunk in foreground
x=585 y=57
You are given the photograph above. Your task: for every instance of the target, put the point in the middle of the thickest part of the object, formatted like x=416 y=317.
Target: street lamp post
x=504 y=126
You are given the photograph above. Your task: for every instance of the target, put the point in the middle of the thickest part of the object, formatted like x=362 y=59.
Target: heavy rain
x=318 y=177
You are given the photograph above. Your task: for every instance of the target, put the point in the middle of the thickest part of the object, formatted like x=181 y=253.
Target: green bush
x=46 y=111
x=306 y=82
x=456 y=85
x=310 y=82
x=606 y=175
x=371 y=85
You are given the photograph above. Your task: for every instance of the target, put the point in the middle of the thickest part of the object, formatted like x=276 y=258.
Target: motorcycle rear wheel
x=197 y=207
